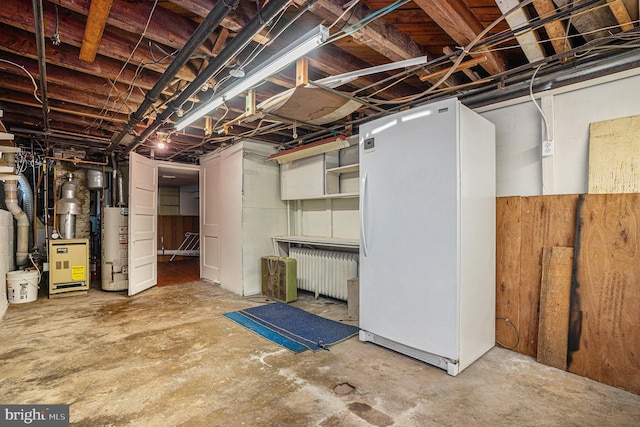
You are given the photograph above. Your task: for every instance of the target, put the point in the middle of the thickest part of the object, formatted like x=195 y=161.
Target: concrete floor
x=167 y=358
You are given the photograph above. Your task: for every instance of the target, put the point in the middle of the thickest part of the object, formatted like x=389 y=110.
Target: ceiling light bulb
x=160 y=145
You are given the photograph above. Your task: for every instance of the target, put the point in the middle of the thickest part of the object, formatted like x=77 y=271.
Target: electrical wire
x=533 y=99
x=35 y=85
x=358 y=25
x=350 y=5
x=144 y=32
x=515 y=329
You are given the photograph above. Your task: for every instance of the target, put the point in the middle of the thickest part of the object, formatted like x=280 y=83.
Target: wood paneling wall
x=604 y=335
x=525 y=225
x=172 y=229
x=603 y=341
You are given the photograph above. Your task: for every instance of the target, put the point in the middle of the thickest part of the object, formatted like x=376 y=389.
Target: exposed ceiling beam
x=456 y=19
x=527 y=40
x=555 y=29
x=235 y=21
x=379 y=35
x=164 y=27
x=463 y=66
x=96 y=21
x=590 y=22
x=93 y=112
x=116 y=45
x=72 y=86
x=23 y=44
x=621 y=14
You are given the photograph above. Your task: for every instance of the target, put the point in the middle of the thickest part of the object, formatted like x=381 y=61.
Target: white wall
x=6 y=257
x=519 y=134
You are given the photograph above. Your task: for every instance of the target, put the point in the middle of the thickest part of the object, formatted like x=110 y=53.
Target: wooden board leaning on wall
x=603 y=337
x=525 y=225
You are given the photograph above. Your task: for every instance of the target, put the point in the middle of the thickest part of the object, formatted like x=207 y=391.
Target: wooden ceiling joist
x=621 y=14
x=555 y=29
x=456 y=19
x=379 y=35
x=96 y=21
x=463 y=66
x=527 y=40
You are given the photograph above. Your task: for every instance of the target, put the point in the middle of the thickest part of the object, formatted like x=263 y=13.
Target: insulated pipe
x=200 y=35
x=11 y=200
x=235 y=46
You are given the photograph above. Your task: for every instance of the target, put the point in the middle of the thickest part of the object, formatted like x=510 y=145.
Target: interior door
x=143 y=223
x=210 y=218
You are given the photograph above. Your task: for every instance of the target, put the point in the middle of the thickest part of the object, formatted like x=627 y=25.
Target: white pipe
x=11 y=200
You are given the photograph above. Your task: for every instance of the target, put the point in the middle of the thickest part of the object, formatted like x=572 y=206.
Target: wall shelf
x=343 y=169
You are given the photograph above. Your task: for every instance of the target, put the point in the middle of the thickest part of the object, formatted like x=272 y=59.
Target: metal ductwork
x=27 y=196
x=11 y=200
x=235 y=46
x=200 y=35
x=67 y=208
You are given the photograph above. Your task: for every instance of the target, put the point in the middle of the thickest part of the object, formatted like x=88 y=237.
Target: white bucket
x=22 y=286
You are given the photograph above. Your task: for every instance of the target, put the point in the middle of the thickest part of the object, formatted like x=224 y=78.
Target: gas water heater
x=115 y=249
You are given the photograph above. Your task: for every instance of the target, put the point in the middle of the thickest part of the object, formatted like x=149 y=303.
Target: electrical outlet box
x=547 y=148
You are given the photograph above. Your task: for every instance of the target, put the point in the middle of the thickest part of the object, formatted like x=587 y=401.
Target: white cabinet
x=304 y=178
x=248 y=212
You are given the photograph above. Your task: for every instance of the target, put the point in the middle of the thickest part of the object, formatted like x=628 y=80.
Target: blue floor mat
x=288 y=324
x=264 y=332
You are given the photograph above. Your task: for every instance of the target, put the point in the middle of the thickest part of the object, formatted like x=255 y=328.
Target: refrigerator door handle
x=363 y=231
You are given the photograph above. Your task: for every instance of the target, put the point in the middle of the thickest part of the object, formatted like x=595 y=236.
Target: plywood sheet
x=508 y=244
x=555 y=292
x=546 y=221
x=605 y=297
x=614 y=156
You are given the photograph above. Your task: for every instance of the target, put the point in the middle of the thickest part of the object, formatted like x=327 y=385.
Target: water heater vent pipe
x=11 y=200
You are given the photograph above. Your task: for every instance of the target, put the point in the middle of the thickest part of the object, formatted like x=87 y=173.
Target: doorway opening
x=178 y=225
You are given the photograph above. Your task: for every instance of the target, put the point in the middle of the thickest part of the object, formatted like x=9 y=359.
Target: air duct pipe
x=11 y=200
x=27 y=196
x=120 y=182
x=67 y=208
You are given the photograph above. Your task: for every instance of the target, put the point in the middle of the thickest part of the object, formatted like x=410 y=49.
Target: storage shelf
x=343 y=169
x=331 y=196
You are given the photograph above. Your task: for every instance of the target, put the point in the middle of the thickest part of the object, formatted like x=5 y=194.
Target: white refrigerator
x=427 y=234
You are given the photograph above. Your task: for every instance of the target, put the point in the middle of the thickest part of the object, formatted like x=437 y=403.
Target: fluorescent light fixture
x=341 y=79
x=298 y=48
x=308 y=150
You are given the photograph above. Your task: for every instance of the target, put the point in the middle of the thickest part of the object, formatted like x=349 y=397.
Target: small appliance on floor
x=279 y=278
